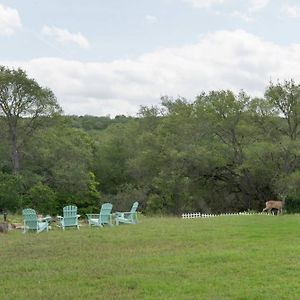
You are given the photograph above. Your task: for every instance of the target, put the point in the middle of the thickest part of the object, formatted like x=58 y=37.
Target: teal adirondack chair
x=31 y=221
x=127 y=217
x=104 y=217
x=70 y=217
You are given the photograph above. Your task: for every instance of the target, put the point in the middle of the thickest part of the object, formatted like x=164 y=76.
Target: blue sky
x=110 y=57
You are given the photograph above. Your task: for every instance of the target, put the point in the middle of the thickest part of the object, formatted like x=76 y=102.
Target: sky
x=110 y=57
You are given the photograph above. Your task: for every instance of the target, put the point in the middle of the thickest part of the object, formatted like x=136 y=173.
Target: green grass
x=236 y=257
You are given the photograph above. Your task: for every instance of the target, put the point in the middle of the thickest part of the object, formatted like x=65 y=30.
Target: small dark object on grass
x=4 y=225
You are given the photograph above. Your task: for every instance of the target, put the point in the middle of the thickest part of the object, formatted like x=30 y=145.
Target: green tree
x=113 y=149
x=23 y=103
x=62 y=157
x=285 y=99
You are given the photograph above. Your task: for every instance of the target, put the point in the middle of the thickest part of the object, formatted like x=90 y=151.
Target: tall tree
x=285 y=99
x=23 y=103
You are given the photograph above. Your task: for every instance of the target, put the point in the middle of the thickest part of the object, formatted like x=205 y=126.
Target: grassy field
x=231 y=257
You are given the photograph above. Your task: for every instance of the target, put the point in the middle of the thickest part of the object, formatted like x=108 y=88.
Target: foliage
x=90 y=199
x=23 y=104
x=292 y=204
x=11 y=189
x=126 y=196
x=285 y=98
x=92 y=123
x=222 y=152
x=41 y=198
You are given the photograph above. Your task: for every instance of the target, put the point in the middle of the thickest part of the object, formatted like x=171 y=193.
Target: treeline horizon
x=222 y=152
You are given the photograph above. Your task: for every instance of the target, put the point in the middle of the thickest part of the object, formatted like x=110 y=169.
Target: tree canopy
x=222 y=152
x=22 y=104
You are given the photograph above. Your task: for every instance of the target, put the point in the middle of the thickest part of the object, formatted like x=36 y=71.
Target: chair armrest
x=45 y=220
x=128 y=213
x=123 y=214
x=119 y=214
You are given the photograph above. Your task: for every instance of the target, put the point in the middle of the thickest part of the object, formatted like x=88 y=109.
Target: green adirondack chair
x=70 y=217
x=32 y=223
x=127 y=217
x=104 y=217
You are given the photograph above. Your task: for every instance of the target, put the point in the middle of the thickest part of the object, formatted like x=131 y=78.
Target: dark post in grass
x=4 y=225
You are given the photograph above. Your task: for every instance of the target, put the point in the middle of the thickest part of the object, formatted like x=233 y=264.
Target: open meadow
x=230 y=257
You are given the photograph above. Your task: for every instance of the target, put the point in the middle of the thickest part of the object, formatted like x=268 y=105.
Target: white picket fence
x=200 y=215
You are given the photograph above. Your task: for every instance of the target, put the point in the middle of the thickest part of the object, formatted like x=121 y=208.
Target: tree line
x=221 y=152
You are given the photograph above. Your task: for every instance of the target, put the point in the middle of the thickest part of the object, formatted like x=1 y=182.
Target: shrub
x=292 y=204
x=11 y=188
x=42 y=198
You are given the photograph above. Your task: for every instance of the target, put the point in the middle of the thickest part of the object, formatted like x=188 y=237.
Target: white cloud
x=292 y=11
x=243 y=16
x=151 y=19
x=9 y=20
x=65 y=36
x=253 y=6
x=204 y=3
x=258 y=5
x=222 y=60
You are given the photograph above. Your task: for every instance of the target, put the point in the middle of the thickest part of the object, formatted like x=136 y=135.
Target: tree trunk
x=15 y=150
x=16 y=160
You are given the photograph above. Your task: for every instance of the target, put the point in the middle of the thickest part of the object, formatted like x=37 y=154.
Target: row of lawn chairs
x=70 y=218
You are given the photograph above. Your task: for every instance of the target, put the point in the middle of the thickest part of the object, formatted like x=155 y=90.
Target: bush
x=126 y=196
x=41 y=198
x=292 y=204
x=11 y=188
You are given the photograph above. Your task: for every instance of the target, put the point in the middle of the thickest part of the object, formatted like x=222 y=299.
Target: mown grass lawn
x=231 y=257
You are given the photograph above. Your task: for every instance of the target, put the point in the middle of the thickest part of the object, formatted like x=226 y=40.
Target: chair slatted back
x=70 y=215
x=30 y=219
x=132 y=215
x=105 y=213
x=134 y=207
